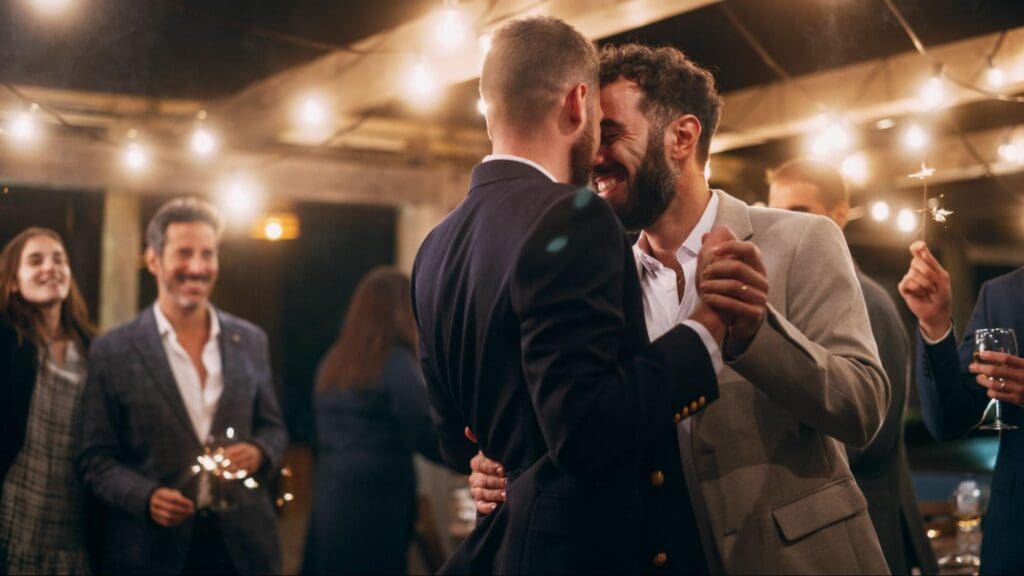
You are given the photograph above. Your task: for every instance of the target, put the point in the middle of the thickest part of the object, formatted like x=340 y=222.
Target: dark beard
x=581 y=157
x=653 y=191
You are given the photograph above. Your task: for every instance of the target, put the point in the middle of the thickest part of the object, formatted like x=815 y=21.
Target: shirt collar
x=527 y=161
x=163 y=325
x=691 y=245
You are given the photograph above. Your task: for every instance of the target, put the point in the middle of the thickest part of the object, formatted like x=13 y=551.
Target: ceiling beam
x=353 y=82
x=74 y=162
x=863 y=93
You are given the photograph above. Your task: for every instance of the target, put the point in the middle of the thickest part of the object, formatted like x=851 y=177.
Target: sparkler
x=923 y=175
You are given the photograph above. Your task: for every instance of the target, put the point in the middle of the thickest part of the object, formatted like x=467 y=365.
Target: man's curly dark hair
x=672 y=84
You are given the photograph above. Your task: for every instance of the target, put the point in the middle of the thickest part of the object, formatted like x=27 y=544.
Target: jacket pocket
x=824 y=507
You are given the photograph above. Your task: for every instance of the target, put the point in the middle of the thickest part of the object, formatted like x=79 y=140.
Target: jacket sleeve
x=894 y=351
x=952 y=401
x=819 y=360
x=455 y=448
x=268 y=430
x=99 y=466
x=594 y=409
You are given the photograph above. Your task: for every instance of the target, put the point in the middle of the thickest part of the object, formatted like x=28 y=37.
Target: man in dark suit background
x=881 y=469
x=160 y=388
x=533 y=336
x=955 y=389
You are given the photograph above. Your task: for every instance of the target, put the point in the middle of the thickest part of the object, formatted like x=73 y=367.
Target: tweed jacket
x=769 y=453
x=137 y=437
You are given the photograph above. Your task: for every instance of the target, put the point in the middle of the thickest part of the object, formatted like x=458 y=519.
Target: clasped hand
x=1002 y=375
x=733 y=283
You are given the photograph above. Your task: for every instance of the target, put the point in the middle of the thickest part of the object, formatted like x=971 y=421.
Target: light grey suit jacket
x=769 y=453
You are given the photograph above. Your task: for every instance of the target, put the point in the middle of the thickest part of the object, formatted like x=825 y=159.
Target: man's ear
x=840 y=214
x=683 y=137
x=151 y=261
x=576 y=105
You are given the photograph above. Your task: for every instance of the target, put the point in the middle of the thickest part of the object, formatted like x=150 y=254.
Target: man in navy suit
x=532 y=335
x=955 y=389
x=160 y=388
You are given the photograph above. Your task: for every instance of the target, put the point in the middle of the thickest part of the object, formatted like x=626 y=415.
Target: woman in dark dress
x=44 y=334
x=372 y=413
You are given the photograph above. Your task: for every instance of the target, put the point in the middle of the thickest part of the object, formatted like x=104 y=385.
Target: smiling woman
x=44 y=334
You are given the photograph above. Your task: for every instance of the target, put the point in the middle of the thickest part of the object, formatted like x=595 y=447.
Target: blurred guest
x=44 y=334
x=955 y=389
x=160 y=388
x=881 y=468
x=372 y=413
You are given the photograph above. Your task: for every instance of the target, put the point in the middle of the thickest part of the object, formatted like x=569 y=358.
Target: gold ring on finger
x=1002 y=386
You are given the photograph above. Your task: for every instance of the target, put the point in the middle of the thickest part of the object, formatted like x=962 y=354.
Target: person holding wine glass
x=956 y=387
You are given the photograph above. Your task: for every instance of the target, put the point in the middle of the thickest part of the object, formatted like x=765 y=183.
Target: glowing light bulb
x=203 y=142
x=855 y=167
x=240 y=198
x=311 y=111
x=885 y=123
x=995 y=76
x=451 y=28
x=880 y=211
x=135 y=158
x=421 y=85
x=833 y=138
x=481 y=106
x=22 y=128
x=933 y=93
x=906 y=221
x=273 y=230
x=1011 y=152
x=915 y=138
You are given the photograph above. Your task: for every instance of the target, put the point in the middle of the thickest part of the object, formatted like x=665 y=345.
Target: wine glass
x=995 y=340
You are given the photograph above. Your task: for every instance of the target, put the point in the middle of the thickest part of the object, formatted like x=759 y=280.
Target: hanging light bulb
x=50 y=7
x=834 y=137
x=906 y=221
x=135 y=157
x=995 y=76
x=450 y=27
x=421 y=85
x=1011 y=152
x=880 y=211
x=310 y=111
x=915 y=138
x=22 y=128
x=933 y=93
x=855 y=168
x=203 y=142
x=240 y=196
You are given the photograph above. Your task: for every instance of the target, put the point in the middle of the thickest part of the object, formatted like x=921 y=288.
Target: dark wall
x=76 y=216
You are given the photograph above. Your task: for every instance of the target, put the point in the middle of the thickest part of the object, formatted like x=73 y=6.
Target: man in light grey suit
x=179 y=377
x=881 y=469
x=769 y=480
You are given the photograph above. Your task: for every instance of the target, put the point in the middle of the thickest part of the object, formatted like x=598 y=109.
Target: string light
x=880 y=211
x=933 y=93
x=310 y=111
x=484 y=43
x=855 y=168
x=906 y=221
x=421 y=85
x=833 y=139
x=22 y=127
x=135 y=157
x=885 y=123
x=203 y=142
x=995 y=76
x=915 y=138
x=1011 y=152
x=240 y=197
x=273 y=230
x=451 y=27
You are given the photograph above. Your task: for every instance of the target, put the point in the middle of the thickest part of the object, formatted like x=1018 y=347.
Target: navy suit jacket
x=952 y=402
x=137 y=437
x=532 y=334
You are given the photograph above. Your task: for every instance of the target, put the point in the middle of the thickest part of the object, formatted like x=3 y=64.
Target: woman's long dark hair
x=26 y=318
x=378 y=319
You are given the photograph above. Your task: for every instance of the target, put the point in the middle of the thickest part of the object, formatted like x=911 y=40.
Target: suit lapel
x=733 y=213
x=230 y=342
x=154 y=357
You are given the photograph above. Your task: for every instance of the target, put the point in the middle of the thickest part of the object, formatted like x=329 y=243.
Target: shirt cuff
x=931 y=342
x=705 y=336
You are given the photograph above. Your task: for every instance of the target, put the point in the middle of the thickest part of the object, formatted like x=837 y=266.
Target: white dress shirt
x=200 y=398
x=520 y=159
